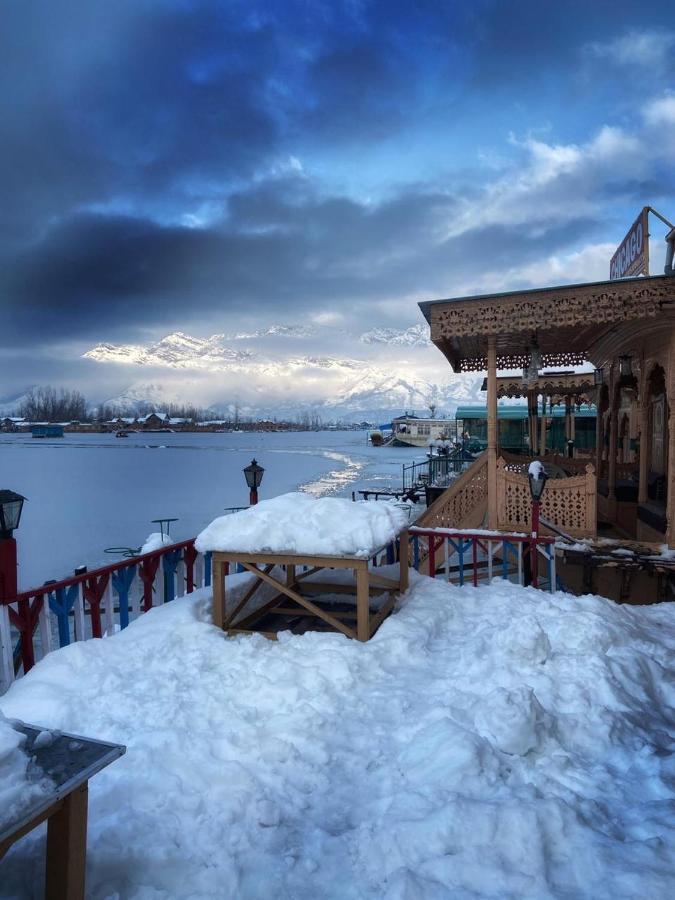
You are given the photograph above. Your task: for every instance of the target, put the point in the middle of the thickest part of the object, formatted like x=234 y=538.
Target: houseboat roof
x=519 y=411
x=572 y=323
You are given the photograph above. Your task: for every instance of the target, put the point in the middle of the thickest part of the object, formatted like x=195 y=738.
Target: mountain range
x=270 y=373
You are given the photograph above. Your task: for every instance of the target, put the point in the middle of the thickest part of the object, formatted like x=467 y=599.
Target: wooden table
x=291 y=601
x=70 y=761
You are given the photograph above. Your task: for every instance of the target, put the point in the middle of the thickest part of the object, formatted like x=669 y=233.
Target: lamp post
x=11 y=505
x=254 y=475
x=537 y=478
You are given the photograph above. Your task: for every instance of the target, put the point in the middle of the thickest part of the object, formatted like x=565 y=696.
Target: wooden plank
x=303 y=601
x=28 y=827
x=362 y=605
x=218 y=591
x=380 y=581
x=287 y=611
x=285 y=559
x=67 y=848
x=244 y=600
x=255 y=616
x=326 y=587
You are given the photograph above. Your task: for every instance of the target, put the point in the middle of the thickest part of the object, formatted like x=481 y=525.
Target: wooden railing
x=464 y=503
x=471 y=557
x=568 y=503
x=94 y=603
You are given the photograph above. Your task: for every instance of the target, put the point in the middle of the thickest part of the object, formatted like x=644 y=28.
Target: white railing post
x=6 y=650
x=109 y=609
x=199 y=571
x=45 y=627
x=78 y=614
x=180 y=579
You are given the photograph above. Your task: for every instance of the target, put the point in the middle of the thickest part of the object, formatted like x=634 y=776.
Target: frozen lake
x=87 y=492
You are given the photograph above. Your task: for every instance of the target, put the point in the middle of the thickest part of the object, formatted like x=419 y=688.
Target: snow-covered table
x=66 y=762
x=299 y=536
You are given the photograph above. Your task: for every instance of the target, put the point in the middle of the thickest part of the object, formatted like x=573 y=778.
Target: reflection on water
x=337 y=481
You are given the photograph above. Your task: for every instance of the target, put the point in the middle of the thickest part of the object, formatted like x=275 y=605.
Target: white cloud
x=648 y=48
x=661 y=111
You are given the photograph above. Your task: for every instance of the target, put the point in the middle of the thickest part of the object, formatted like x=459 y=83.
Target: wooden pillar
x=218 y=592
x=67 y=848
x=613 y=434
x=599 y=433
x=573 y=426
x=492 y=431
x=643 y=462
x=568 y=419
x=362 y=603
x=542 y=439
x=670 y=413
x=404 y=561
x=532 y=419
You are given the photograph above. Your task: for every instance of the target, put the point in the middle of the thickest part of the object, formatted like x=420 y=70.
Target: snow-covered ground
x=494 y=742
x=20 y=782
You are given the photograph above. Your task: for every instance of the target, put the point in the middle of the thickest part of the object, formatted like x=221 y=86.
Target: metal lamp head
x=11 y=505
x=598 y=376
x=537 y=483
x=254 y=475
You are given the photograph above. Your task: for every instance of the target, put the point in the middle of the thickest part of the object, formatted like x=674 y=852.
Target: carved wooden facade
x=464 y=503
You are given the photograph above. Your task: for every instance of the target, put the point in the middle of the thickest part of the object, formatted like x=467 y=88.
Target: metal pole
x=534 y=562
x=8 y=580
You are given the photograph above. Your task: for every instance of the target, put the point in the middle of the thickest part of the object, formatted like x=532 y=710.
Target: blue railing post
x=121 y=582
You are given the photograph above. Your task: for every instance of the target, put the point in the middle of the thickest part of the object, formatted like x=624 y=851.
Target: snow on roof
x=300 y=523
x=487 y=742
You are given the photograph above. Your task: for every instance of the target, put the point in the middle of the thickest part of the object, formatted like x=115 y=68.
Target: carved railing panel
x=568 y=503
x=464 y=503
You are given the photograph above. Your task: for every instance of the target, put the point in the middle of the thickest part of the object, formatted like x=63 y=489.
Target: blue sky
x=209 y=166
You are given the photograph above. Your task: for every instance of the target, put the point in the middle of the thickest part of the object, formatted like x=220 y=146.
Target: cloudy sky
x=211 y=166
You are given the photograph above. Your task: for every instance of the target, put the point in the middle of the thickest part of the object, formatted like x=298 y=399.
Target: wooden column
x=568 y=419
x=542 y=439
x=362 y=604
x=670 y=413
x=218 y=592
x=644 y=433
x=492 y=431
x=67 y=848
x=404 y=561
x=613 y=434
x=599 y=433
x=532 y=419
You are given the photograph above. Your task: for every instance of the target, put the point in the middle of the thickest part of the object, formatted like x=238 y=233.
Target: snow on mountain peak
x=415 y=336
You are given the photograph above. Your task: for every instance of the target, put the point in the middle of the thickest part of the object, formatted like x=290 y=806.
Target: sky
x=217 y=167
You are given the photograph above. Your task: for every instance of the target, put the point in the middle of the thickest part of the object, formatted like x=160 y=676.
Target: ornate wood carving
x=464 y=496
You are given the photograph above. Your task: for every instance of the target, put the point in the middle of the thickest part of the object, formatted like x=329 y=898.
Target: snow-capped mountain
x=415 y=336
x=176 y=350
x=269 y=384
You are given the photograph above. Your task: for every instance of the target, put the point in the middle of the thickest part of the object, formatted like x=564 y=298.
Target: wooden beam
x=244 y=600
x=381 y=615
x=303 y=601
x=284 y=559
x=67 y=848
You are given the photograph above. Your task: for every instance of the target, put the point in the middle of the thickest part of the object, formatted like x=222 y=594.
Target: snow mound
x=300 y=523
x=495 y=742
x=19 y=785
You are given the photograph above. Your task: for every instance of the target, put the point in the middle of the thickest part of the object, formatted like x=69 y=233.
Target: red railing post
x=93 y=590
x=147 y=571
x=474 y=560
x=432 y=555
x=189 y=557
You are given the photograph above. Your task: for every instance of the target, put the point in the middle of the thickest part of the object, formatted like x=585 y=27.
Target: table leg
x=362 y=604
x=404 y=561
x=219 y=593
x=67 y=848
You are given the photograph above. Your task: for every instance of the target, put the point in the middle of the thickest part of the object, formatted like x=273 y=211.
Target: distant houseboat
x=413 y=431
x=47 y=431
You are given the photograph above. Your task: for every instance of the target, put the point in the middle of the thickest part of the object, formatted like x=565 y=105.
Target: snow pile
x=300 y=523
x=493 y=742
x=19 y=785
x=156 y=541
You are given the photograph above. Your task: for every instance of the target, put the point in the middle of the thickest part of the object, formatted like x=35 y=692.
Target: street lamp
x=11 y=505
x=598 y=376
x=537 y=477
x=254 y=475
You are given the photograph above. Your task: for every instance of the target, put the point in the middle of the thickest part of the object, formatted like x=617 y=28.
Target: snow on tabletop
x=301 y=524
x=156 y=541
x=491 y=742
x=19 y=785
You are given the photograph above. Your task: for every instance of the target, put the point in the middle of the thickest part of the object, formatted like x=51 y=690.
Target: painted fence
x=102 y=601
